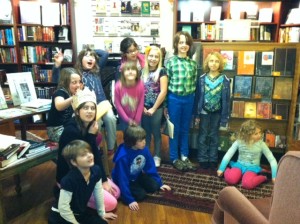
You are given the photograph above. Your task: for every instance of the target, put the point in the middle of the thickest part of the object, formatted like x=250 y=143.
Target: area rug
x=198 y=190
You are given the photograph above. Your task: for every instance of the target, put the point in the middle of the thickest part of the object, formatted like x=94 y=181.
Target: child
x=77 y=187
x=156 y=85
x=129 y=92
x=135 y=172
x=250 y=146
x=83 y=126
x=212 y=107
x=130 y=51
x=61 y=110
x=88 y=66
x=182 y=76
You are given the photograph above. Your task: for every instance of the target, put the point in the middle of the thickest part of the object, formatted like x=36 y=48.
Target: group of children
x=144 y=93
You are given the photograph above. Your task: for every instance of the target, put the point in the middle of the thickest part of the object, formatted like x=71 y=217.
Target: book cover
x=283 y=88
x=6 y=162
x=264 y=110
x=228 y=60
x=250 y=110
x=238 y=108
x=38 y=103
x=8 y=152
x=50 y=14
x=5 y=12
x=145 y=7
x=187 y=28
x=30 y=12
x=284 y=61
x=136 y=7
x=126 y=7
x=13 y=112
x=68 y=55
x=100 y=7
x=280 y=141
x=263 y=87
x=63 y=35
x=265 y=15
x=155 y=8
x=264 y=63
x=246 y=62
x=270 y=139
x=3 y=104
x=215 y=13
x=242 y=87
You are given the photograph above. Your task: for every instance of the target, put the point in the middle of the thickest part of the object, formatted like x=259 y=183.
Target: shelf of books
x=264 y=86
x=115 y=20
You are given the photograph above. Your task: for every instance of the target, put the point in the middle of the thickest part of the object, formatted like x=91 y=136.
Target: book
x=101 y=7
x=187 y=28
x=242 y=87
x=250 y=110
x=264 y=110
x=6 y=12
x=293 y=16
x=155 y=8
x=3 y=104
x=265 y=15
x=68 y=55
x=13 y=112
x=33 y=155
x=126 y=7
x=145 y=7
x=228 y=60
x=6 y=162
x=6 y=141
x=264 y=63
x=50 y=14
x=10 y=151
x=246 y=62
x=23 y=149
x=30 y=12
x=284 y=61
x=238 y=108
x=102 y=108
x=63 y=34
x=283 y=88
x=136 y=7
x=270 y=139
x=280 y=141
x=263 y=87
x=215 y=13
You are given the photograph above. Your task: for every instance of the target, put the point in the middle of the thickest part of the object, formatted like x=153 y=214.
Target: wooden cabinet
x=208 y=20
x=35 y=40
x=280 y=126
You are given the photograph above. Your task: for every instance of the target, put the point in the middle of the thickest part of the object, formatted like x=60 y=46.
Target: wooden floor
x=35 y=203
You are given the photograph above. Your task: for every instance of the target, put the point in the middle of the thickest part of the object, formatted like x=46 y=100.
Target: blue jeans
x=180 y=112
x=208 y=139
x=152 y=125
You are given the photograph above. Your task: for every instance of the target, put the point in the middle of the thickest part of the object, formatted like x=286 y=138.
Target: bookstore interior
x=258 y=39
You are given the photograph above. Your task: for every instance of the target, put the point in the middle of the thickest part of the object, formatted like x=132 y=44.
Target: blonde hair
x=219 y=56
x=146 y=71
x=247 y=129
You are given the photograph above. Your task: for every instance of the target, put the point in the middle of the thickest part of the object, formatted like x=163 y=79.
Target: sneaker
x=157 y=161
x=204 y=165
x=179 y=165
x=189 y=165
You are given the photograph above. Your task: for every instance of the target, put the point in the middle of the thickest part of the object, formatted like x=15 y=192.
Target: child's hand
x=107 y=186
x=58 y=58
x=94 y=128
x=219 y=173
x=273 y=180
x=134 y=206
x=165 y=187
x=109 y=215
x=151 y=111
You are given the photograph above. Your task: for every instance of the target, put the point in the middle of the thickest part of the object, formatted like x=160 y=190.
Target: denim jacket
x=199 y=98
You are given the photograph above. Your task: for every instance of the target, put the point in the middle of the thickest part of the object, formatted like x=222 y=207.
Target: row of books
x=289 y=35
x=36 y=33
x=262 y=87
x=45 y=92
x=260 y=110
x=8 y=55
x=7 y=36
x=15 y=149
x=38 y=74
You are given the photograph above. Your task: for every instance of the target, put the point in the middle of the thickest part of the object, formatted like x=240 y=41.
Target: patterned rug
x=198 y=190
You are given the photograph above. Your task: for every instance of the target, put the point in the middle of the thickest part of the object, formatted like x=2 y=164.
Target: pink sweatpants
x=250 y=180
x=110 y=200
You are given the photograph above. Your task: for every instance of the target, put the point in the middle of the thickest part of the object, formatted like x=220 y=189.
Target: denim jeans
x=180 y=112
x=152 y=125
x=110 y=122
x=208 y=139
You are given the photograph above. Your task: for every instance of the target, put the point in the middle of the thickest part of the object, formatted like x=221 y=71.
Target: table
x=18 y=168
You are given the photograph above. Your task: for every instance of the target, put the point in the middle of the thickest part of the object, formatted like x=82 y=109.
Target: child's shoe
x=189 y=165
x=179 y=165
x=157 y=161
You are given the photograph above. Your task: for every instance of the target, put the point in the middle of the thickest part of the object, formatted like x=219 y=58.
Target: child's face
x=213 y=63
x=130 y=75
x=257 y=135
x=88 y=112
x=75 y=83
x=88 y=61
x=183 y=48
x=153 y=59
x=140 y=144
x=84 y=159
x=131 y=53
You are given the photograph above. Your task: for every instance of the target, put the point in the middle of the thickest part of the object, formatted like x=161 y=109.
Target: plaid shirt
x=182 y=73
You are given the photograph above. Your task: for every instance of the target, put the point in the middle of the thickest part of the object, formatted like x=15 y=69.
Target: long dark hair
x=79 y=122
x=84 y=52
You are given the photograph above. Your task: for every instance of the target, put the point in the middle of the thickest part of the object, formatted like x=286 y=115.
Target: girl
x=88 y=66
x=212 y=108
x=129 y=92
x=61 y=110
x=156 y=84
x=134 y=170
x=250 y=146
x=130 y=51
x=84 y=127
x=83 y=180
x=182 y=75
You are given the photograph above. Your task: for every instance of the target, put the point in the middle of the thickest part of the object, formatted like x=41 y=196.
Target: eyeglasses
x=132 y=51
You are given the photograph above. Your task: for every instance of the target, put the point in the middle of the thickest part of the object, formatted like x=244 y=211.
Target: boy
x=135 y=172
x=83 y=180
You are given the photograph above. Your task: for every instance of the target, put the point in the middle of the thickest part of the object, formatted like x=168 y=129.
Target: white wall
x=84 y=27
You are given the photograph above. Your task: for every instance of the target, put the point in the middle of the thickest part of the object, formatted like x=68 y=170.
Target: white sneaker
x=157 y=161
